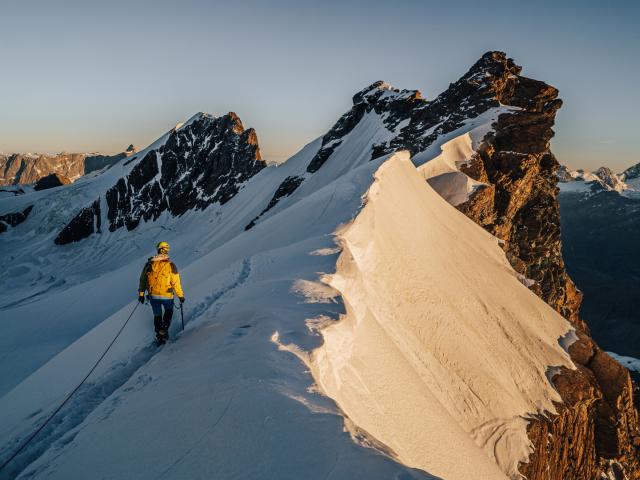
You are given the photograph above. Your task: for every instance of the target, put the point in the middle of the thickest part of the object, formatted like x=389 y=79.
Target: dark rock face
x=51 y=181
x=86 y=222
x=523 y=209
x=202 y=163
x=14 y=219
x=286 y=188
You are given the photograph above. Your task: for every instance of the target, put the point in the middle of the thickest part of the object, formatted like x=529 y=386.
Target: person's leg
x=168 y=313
x=156 y=306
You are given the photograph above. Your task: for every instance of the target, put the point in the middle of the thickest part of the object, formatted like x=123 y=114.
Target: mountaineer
x=161 y=279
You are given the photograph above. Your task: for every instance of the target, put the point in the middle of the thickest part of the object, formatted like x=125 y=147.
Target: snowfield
x=363 y=328
x=629 y=362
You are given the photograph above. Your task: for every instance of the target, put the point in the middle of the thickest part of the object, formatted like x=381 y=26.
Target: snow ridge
x=446 y=345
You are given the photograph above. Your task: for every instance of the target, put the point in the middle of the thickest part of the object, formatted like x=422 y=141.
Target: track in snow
x=213 y=299
x=58 y=432
x=61 y=430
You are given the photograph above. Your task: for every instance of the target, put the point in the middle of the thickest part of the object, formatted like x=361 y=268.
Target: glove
x=181 y=299
x=141 y=298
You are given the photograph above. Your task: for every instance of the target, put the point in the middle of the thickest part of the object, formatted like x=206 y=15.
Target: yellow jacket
x=160 y=278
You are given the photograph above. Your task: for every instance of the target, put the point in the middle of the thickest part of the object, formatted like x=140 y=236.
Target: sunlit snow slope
x=441 y=344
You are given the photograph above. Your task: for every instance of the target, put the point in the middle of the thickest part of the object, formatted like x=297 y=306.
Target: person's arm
x=142 y=283
x=175 y=282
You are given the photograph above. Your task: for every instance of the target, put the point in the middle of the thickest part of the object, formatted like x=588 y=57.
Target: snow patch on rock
x=630 y=362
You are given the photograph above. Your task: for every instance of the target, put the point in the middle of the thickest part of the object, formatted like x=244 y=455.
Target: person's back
x=161 y=280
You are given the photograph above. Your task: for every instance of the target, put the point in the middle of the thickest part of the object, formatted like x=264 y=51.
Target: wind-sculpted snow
x=424 y=333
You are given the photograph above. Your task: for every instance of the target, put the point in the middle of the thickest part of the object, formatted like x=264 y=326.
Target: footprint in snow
x=237 y=333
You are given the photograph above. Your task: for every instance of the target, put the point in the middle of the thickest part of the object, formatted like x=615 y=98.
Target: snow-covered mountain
x=387 y=303
x=601 y=180
x=28 y=168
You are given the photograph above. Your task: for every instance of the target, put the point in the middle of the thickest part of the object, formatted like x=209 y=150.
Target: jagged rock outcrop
x=51 y=181
x=87 y=221
x=201 y=163
x=14 y=219
x=596 y=426
x=596 y=429
x=28 y=168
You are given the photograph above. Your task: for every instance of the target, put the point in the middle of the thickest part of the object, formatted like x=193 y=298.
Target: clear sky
x=86 y=75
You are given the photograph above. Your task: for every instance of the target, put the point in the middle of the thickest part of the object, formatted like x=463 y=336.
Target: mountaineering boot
x=162 y=336
x=157 y=323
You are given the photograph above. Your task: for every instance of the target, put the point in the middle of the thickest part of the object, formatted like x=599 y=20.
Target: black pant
x=163 y=322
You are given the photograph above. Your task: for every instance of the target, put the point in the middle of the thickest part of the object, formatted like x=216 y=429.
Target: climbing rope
x=68 y=397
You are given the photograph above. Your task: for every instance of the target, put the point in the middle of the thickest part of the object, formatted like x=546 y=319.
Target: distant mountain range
x=28 y=168
x=626 y=183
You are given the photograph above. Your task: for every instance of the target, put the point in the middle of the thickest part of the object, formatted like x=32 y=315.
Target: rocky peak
x=202 y=162
x=381 y=91
x=631 y=172
x=564 y=175
x=610 y=179
x=494 y=80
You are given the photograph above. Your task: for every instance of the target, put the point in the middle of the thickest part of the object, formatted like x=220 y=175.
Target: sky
x=86 y=75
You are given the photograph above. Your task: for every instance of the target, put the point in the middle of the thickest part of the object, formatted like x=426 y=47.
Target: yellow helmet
x=163 y=246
